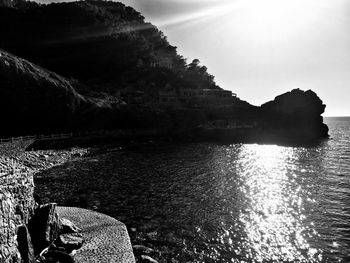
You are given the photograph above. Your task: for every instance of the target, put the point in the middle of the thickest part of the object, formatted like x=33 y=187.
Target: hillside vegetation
x=104 y=44
x=97 y=65
x=35 y=100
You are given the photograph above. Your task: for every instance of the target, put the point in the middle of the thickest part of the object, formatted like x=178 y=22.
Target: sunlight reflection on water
x=273 y=215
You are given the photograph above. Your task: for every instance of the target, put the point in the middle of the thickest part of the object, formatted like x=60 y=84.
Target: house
x=131 y=95
x=168 y=97
x=217 y=94
x=183 y=96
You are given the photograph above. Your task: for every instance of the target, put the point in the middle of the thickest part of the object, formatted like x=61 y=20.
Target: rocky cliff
x=295 y=114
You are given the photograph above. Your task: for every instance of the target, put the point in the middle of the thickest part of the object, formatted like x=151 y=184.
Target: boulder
x=57 y=256
x=140 y=249
x=295 y=114
x=69 y=227
x=148 y=259
x=70 y=241
x=25 y=246
x=44 y=226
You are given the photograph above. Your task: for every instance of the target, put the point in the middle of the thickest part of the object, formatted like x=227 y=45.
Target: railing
x=120 y=133
x=14 y=139
x=13 y=166
x=37 y=137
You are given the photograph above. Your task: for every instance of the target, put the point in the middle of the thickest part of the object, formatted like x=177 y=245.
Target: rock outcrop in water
x=295 y=114
x=293 y=117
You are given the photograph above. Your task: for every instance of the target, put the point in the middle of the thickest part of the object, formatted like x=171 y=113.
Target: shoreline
x=49 y=164
x=131 y=139
x=14 y=158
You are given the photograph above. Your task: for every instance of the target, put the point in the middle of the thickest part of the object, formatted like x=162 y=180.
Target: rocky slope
x=34 y=100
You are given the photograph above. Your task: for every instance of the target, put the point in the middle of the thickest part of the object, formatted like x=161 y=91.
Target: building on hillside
x=218 y=94
x=168 y=97
x=131 y=96
x=183 y=96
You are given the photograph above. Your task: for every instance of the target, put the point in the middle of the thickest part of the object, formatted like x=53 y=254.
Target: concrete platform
x=106 y=239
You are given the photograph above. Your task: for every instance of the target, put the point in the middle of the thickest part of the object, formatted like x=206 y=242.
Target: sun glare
x=261 y=20
x=271 y=21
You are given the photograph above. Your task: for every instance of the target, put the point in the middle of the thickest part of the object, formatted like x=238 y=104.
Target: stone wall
x=16 y=207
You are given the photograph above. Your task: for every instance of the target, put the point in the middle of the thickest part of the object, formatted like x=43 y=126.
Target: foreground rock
x=71 y=241
x=69 y=227
x=147 y=259
x=44 y=227
x=140 y=249
x=25 y=245
x=105 y=238
x=50 y=238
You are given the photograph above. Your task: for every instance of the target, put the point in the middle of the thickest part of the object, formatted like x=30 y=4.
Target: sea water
x=205 y=202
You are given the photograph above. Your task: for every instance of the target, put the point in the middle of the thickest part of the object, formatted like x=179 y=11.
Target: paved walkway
x=106 y=239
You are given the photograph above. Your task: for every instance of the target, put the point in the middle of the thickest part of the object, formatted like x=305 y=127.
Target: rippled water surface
x=222 y=203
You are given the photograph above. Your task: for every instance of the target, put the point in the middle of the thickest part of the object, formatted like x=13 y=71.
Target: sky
x=262 y=48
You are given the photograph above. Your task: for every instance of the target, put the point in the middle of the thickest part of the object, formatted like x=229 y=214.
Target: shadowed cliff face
x=297 y=112
x=34 y=100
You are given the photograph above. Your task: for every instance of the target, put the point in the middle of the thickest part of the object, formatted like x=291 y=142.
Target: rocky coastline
x=14 y=159
x=57 y=92
x=64 y=237
x=112 y=84
x=30 y=229
x=73 y=163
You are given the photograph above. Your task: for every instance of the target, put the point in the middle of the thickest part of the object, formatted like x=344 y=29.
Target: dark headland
x=97 y=66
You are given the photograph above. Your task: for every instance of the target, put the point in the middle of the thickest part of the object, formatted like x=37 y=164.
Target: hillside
x=109 y=69
x=105 y=51
x=35 y=100
x=103 y=44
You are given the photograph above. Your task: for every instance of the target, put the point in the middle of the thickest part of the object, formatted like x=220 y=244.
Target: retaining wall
x=16 y=207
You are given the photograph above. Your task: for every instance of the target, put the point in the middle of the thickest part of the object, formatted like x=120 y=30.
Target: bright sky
x=262 y=48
